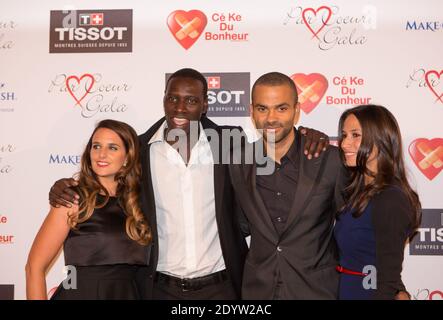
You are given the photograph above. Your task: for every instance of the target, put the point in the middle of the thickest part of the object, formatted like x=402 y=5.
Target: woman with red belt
x=381 y=211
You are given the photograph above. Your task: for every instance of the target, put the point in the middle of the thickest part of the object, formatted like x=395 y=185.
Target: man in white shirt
x=198 y=249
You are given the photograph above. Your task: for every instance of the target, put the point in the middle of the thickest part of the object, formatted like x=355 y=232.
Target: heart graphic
x=428 y=82
x=305 y=20
x=187 y=27
x=310 y=88
x=78 y=80
x=427 y=156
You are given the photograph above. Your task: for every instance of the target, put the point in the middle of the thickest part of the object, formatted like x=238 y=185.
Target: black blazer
x=233 y=244
x=304 y=256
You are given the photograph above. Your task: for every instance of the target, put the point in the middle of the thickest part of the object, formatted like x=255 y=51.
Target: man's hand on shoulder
x=61 y=193
x=316 y=142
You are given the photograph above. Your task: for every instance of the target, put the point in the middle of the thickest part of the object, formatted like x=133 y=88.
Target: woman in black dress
x=105 y=236
x=382 y=210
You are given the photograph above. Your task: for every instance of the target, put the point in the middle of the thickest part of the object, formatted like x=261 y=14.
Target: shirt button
x=279 y=249
x=279 y=219
x=279 y=193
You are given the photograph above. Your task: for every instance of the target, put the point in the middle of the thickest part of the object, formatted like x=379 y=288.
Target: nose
x=180 y=106
x=272 y=116
x=102 y=153
x=345 y=143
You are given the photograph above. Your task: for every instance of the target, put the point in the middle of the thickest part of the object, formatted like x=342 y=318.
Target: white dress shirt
x=188 y=239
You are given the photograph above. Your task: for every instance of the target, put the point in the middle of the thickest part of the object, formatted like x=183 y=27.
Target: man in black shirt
x=290 y=212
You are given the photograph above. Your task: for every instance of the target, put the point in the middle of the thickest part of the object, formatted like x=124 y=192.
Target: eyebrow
x=277 y=106
x=109 y=144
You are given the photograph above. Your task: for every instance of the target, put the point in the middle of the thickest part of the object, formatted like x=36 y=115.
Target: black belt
x=188 y=284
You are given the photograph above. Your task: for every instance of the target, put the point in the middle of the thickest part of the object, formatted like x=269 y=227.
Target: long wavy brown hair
x=128 y=187
x=379 y=129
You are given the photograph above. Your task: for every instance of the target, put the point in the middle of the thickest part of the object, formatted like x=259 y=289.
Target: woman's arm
x=47 y=244
x=391 y=217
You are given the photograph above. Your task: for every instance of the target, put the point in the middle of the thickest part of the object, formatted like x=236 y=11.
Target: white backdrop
x=384 y=52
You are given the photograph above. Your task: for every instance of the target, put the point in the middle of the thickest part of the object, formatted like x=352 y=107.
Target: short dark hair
x=275 y=79
x=190 y=73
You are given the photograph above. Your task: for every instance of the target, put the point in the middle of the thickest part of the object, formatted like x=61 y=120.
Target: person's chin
x=179 y=130
x=104 y=173
x=351 y=163
x=275 y=136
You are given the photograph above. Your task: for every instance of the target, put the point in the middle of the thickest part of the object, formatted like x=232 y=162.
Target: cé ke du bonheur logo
x=188 y=26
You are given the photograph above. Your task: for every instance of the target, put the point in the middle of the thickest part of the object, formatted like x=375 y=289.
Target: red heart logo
x=428 y=82
x=88 y=87
x=324 y=22
x=310 y=88
x=427 y=156
x=187 y=27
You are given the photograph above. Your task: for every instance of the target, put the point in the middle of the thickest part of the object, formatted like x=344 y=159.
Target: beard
x=278 y=136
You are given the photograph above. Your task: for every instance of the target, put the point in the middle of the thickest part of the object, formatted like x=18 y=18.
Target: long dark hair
x=128 y=188
x=380 y=130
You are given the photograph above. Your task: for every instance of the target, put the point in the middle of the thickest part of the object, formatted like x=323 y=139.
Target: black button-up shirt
x=278 y=189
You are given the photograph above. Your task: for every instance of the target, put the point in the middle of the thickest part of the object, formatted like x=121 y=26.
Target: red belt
x=347 y=271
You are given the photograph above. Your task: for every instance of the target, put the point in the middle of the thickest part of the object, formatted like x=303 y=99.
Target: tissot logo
x=429 y=240
x=90 y=31
x=91 y=19
x=228 y=94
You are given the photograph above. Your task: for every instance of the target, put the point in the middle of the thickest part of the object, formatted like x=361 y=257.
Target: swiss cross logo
x=91 y=19
x=214 y=83
x=97 y=19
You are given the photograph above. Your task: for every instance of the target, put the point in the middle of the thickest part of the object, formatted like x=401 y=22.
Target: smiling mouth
x=102 y=164
x=350 y=154
x=180 y=121
x=272 y=129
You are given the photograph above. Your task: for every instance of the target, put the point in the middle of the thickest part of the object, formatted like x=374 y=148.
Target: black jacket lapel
x=147 y=190
x=219 y=168
x=305 y=183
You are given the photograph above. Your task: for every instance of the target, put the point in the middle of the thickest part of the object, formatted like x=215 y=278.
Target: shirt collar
x=159 y=135
x=291 y=155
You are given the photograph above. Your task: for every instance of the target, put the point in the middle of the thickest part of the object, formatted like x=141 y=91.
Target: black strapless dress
x=103 y=259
